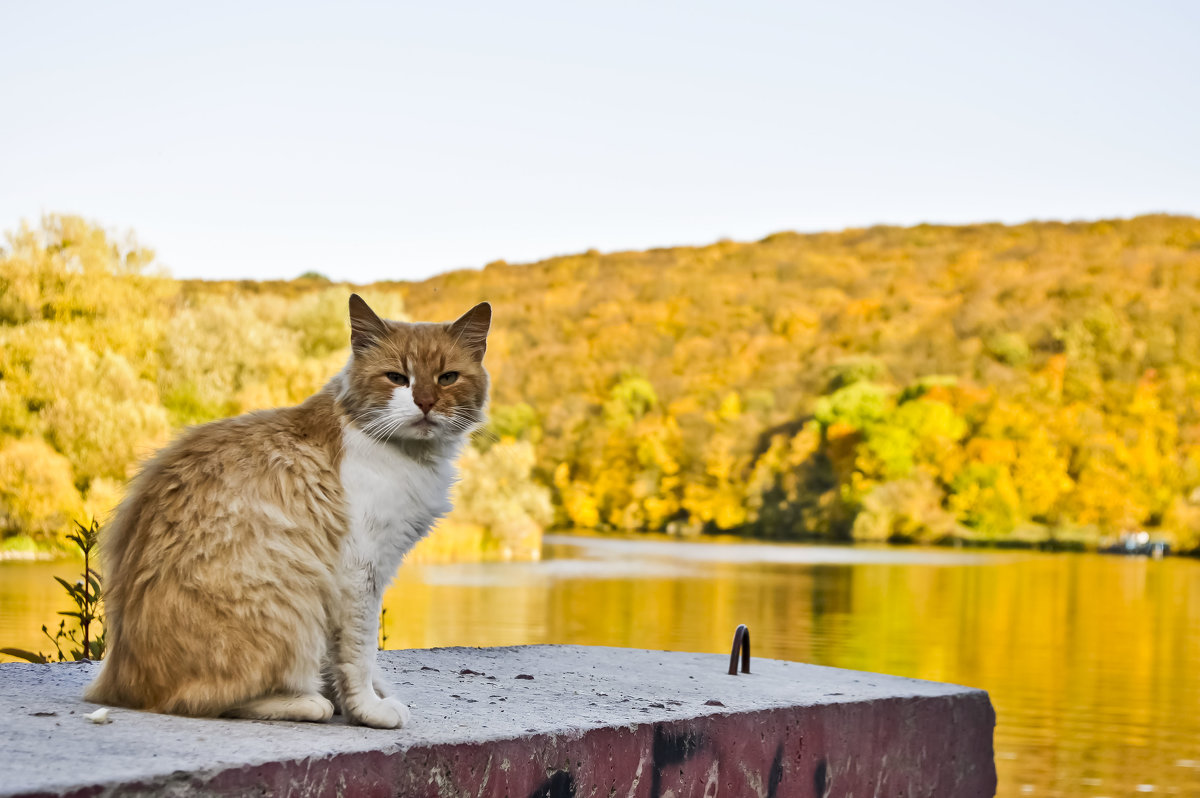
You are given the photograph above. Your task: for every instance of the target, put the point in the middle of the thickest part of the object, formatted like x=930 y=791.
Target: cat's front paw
x=383 y=713
x=383 y=688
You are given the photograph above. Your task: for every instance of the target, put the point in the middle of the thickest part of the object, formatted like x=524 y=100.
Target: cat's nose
x=424 y=404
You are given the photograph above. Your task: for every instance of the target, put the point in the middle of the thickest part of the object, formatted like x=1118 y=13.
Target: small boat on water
x=1139 y=544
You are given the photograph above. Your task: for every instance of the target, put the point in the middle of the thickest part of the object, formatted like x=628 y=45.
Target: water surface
x=1092 y=662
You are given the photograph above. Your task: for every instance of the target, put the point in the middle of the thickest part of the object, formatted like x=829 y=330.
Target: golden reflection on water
x=1092 y=662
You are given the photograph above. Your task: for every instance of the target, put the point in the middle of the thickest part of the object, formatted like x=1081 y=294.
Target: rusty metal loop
x=741 y=642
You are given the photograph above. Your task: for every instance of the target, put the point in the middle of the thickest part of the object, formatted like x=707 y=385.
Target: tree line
x=984 y=382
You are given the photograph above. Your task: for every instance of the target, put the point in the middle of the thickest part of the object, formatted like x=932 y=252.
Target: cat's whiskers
x=380 y=421
x=460 y=423
x=386 y=430
x=356 y=421
x=483 y=433
x=472 y=413
x=471 y=421
x=379 y=426
x=372 y=427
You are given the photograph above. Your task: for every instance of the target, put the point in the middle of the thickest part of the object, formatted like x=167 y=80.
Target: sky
x=373 y=141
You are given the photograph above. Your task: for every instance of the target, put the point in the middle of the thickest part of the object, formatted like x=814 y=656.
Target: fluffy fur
x=246 y=566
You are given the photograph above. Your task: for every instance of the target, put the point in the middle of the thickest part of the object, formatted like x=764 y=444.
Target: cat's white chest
x=392 y=501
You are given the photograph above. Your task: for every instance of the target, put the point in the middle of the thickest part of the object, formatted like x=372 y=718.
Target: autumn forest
x=986 y=383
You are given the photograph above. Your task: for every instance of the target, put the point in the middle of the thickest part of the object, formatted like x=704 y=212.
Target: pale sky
x=397 y=140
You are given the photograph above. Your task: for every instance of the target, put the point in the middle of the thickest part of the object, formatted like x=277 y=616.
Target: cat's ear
x=471 y=329
x=366 y=329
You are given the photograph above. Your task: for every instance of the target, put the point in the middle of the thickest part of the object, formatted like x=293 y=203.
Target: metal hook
x=741 y=642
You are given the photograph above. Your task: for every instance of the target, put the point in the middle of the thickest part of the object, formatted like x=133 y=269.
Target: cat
x=246 y=566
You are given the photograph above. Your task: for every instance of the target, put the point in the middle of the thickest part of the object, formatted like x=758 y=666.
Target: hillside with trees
x=984 y=382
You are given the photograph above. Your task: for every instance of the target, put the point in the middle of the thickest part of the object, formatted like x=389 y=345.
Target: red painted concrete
x=896 y=748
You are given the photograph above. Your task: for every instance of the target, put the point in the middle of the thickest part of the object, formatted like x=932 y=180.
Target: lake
x=1092 y=661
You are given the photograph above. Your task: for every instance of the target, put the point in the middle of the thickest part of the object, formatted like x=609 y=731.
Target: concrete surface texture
x=544 y=721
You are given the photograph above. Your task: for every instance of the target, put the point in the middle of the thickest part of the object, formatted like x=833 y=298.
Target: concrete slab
x=527 y=721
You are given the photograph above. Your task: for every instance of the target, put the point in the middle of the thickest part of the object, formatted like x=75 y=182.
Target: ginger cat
x=246 y=567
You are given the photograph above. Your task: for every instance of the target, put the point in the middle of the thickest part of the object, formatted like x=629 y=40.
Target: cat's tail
x=100 y=691
x=135 y=678
x=113 y=685
x=128 y=681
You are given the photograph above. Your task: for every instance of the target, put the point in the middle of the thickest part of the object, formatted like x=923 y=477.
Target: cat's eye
x=449 y=378
x=398 y=378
